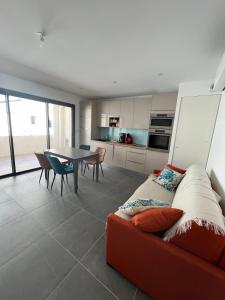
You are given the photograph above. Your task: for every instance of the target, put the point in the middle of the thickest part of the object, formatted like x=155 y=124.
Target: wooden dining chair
x=45 y=166
x=92 y=162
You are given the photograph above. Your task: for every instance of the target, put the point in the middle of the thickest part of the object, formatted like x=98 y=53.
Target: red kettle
x=128 y=139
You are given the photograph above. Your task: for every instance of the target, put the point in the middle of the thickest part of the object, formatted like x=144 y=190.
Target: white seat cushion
x=149 y=189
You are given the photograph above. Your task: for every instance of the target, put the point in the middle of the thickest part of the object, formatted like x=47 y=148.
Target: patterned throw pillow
x=169 y=179
x=131 y=208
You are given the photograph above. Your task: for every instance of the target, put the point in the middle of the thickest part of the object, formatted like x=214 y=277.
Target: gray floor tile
x=10 y=211
x=35 y=272
x=31 y=201
x=16 y=236
x=55 y=213
x=102 y=206
x=95 y=262
x=79 y=233
x=80 y=285
x=22 y=188
x=142 y=296
x=4 y=197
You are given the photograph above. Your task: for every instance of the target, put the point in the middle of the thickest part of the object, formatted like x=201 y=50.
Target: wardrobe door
x=195 y=128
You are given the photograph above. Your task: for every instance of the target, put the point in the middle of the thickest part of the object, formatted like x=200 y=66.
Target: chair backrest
x=55 y=164
x=85 y=147
x=43 y=161
x=101 y=152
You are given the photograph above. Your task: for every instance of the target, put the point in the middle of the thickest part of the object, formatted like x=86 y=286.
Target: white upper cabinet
x=164 y=101
x=102 y=113
x=142 y=108
x=103 y=107
x=114 y=108
x=127 y=113
x=195 y=128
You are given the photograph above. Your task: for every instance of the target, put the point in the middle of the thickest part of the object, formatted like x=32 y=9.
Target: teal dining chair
x=59 y=168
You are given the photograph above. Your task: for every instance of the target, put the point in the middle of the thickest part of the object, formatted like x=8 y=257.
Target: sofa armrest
x=160 y=268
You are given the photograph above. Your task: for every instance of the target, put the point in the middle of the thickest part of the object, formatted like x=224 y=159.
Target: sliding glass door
x=5 y=153
x=30 y=124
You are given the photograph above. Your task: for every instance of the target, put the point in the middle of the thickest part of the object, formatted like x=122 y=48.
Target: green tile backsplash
x=140 y=136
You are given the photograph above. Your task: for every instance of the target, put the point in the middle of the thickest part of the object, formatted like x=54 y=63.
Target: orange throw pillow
x=176 y=169
x=157 y=219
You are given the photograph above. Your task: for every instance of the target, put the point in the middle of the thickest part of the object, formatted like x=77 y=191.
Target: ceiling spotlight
x=42 y=36
x=160 y=74
x=114 y=81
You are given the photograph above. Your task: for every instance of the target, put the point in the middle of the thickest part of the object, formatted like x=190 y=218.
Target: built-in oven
x=161 y=120
x=159 y=139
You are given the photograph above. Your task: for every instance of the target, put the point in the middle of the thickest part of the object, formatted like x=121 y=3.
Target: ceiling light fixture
x=114 y=81
x=160 y=74
x=42 y=37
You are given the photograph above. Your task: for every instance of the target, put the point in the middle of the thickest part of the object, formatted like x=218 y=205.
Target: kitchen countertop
x=122 y=144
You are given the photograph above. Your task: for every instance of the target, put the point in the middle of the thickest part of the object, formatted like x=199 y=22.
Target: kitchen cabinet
x=127 y=113
x=155 y=160
x=142 y=107
x=103 y=107
x=164 y=101
x=119 y=156
x=114 y=108
x=135 y=159
x=196 y=122
x=132 y=158
x=102 y=113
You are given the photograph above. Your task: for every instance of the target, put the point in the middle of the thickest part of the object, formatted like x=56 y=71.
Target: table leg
x=75 y=174
x=97 y=168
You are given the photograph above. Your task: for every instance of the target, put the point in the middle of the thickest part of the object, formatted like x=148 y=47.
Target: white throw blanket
x=196 y=198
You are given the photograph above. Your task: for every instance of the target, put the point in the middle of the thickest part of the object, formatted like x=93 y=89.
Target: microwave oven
x=161 y=120
x=159 y=139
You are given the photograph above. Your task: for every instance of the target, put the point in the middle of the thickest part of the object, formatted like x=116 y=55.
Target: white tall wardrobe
x=195 y=127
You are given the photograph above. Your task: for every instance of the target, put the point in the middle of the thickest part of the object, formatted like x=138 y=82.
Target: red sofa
x=191 y=264
x=159 y=268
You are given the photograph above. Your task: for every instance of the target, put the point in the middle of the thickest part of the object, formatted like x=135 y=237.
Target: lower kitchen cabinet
x=119 y=157
x=135 y=159
x=135 y=166
x=155 y=160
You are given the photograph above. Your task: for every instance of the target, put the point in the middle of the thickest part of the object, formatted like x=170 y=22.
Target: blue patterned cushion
x=169 y=179
x=133 y=207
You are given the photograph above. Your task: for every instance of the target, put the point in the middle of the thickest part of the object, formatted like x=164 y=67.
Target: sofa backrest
x=201 y=229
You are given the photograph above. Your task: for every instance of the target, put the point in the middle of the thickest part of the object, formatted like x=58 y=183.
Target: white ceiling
x=92 y=43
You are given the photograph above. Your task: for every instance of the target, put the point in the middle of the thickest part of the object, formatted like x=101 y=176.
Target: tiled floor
x=52 y=247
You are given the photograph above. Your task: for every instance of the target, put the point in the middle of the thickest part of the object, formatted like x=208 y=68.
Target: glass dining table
x=75 y=156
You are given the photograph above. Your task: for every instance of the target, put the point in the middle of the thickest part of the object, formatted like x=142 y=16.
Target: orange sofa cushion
x=176 y=169
x=157 y=172
x=156 y=219
x=221 y=262
x=201 y=242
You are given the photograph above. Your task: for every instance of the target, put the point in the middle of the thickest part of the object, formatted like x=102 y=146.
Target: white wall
x=33 y=88
x=216 y=161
